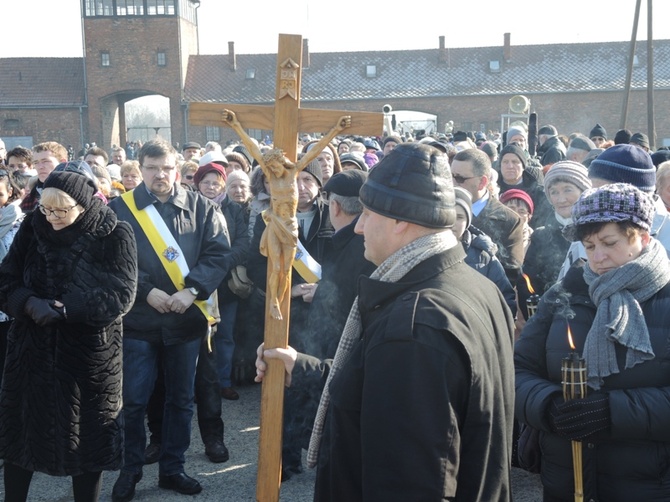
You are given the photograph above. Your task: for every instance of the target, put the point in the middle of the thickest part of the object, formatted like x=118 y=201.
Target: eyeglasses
x=58 y=213
x=213 y=184
x=167 y=170
x=462 y=179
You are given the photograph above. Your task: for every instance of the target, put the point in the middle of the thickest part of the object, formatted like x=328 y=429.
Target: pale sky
x=52 y=28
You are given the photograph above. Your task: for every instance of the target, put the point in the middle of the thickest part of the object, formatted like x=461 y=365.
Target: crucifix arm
x=231 y=120
x=343 y=122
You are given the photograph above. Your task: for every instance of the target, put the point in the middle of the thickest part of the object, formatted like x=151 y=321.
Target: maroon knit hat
x=515 y=193
x=212 y=167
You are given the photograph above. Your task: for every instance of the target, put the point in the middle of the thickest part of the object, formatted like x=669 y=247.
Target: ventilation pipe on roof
x=305 y=53
x=232 y=59
x=443 y=54
x=507 y=49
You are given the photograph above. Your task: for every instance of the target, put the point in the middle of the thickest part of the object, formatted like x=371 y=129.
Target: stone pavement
x=232 y=481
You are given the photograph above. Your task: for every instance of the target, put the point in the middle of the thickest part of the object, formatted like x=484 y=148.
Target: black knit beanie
x=598 y=130
x=78 y=186
x=412 y=183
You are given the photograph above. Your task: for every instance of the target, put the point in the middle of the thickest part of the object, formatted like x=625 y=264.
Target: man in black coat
x=330 y=302
x=183 y=255
x=418 y=399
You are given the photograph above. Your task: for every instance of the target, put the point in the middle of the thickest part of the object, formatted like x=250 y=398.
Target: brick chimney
x=507 y=49
x=305 y=53
x=443 y=53
x=232 y=58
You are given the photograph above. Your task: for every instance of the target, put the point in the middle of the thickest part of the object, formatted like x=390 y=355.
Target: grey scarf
x=619 y=317
x=394 y=268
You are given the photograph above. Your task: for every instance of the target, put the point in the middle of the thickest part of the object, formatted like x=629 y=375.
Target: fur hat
x=412 y=183
x=568 y=172
x=78 y=186
x=239 y=158
x=598 y=130
x=212 y=167
x=617 y=202
x=516 y=193
x=625 y=164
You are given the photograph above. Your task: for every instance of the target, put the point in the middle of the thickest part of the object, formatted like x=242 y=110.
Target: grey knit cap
x=569 y=172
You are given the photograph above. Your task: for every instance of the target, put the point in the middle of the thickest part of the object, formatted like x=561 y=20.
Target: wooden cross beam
x=286 y=119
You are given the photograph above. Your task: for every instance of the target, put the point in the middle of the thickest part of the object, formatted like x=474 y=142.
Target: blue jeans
x=225 y=342
x=140 y=360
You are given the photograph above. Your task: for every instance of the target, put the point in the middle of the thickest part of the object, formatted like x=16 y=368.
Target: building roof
x=42 y=82
x=335 y=76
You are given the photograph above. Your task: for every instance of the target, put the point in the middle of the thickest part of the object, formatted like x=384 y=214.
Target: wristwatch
x=194 y=291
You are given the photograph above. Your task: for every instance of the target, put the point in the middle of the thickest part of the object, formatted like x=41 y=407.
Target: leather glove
x=580 y=418
x=42 y=311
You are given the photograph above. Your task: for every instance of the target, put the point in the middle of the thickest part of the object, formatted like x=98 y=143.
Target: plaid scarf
x=392 y=269
x=619 y=317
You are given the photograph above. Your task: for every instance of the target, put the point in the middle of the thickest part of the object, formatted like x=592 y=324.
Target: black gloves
x=580 y=418
x=42 y=311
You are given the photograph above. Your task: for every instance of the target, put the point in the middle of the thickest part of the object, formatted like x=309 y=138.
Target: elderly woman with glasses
x=68 y=278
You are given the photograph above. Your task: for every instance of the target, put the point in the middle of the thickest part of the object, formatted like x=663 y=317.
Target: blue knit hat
x=625 y=164
x=613 y=203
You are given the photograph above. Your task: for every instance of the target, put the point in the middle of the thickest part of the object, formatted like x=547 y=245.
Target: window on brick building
x=161 y=58
x=213 y=133
x=129 y=7
x=11 y=124
x=104 y=59
x=160 y=7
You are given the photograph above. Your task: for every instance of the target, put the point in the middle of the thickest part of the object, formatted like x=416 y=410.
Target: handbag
x=529 y=453
x=239 y=283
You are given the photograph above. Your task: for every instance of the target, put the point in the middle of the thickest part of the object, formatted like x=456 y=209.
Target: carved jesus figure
x=279 y=240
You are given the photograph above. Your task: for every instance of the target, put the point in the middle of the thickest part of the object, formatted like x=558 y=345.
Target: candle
x=533 y=299
x=573 y=372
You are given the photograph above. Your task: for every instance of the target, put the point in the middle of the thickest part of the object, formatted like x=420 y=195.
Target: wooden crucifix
x=286 y=119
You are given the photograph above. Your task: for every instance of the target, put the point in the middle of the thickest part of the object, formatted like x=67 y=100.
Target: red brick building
x=137 y=48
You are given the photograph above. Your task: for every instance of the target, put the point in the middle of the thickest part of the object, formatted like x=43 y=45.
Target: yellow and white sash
x=308 y=268
x=166 y=248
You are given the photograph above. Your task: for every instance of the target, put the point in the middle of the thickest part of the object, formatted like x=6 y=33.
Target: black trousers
x=86 y=486
x=207 y=396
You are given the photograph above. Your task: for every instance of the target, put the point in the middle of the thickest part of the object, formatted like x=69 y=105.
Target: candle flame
x=530 y=288
x=572 y=344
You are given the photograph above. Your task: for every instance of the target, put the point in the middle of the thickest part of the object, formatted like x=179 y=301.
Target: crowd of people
x=438 y=284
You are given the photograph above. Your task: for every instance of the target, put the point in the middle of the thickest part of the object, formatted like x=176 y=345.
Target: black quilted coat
x=60 y=404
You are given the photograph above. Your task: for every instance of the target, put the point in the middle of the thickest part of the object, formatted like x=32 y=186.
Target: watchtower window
x=104 y=59
x=160 y=7
x=129 y=7
x=161 y=59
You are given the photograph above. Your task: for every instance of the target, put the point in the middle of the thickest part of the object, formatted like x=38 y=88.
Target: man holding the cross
x=418 y=401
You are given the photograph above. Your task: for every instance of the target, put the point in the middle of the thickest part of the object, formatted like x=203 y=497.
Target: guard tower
x=136 y=48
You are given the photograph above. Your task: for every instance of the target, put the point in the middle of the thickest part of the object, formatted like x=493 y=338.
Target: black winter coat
x=235 y=216
x=630 y=462
x=422 y=409
x=481 y=255
x=60 y=405
x=505 y=229
x=532 y=184
x=543 y=261
x=202 y=234
x=342 y=266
